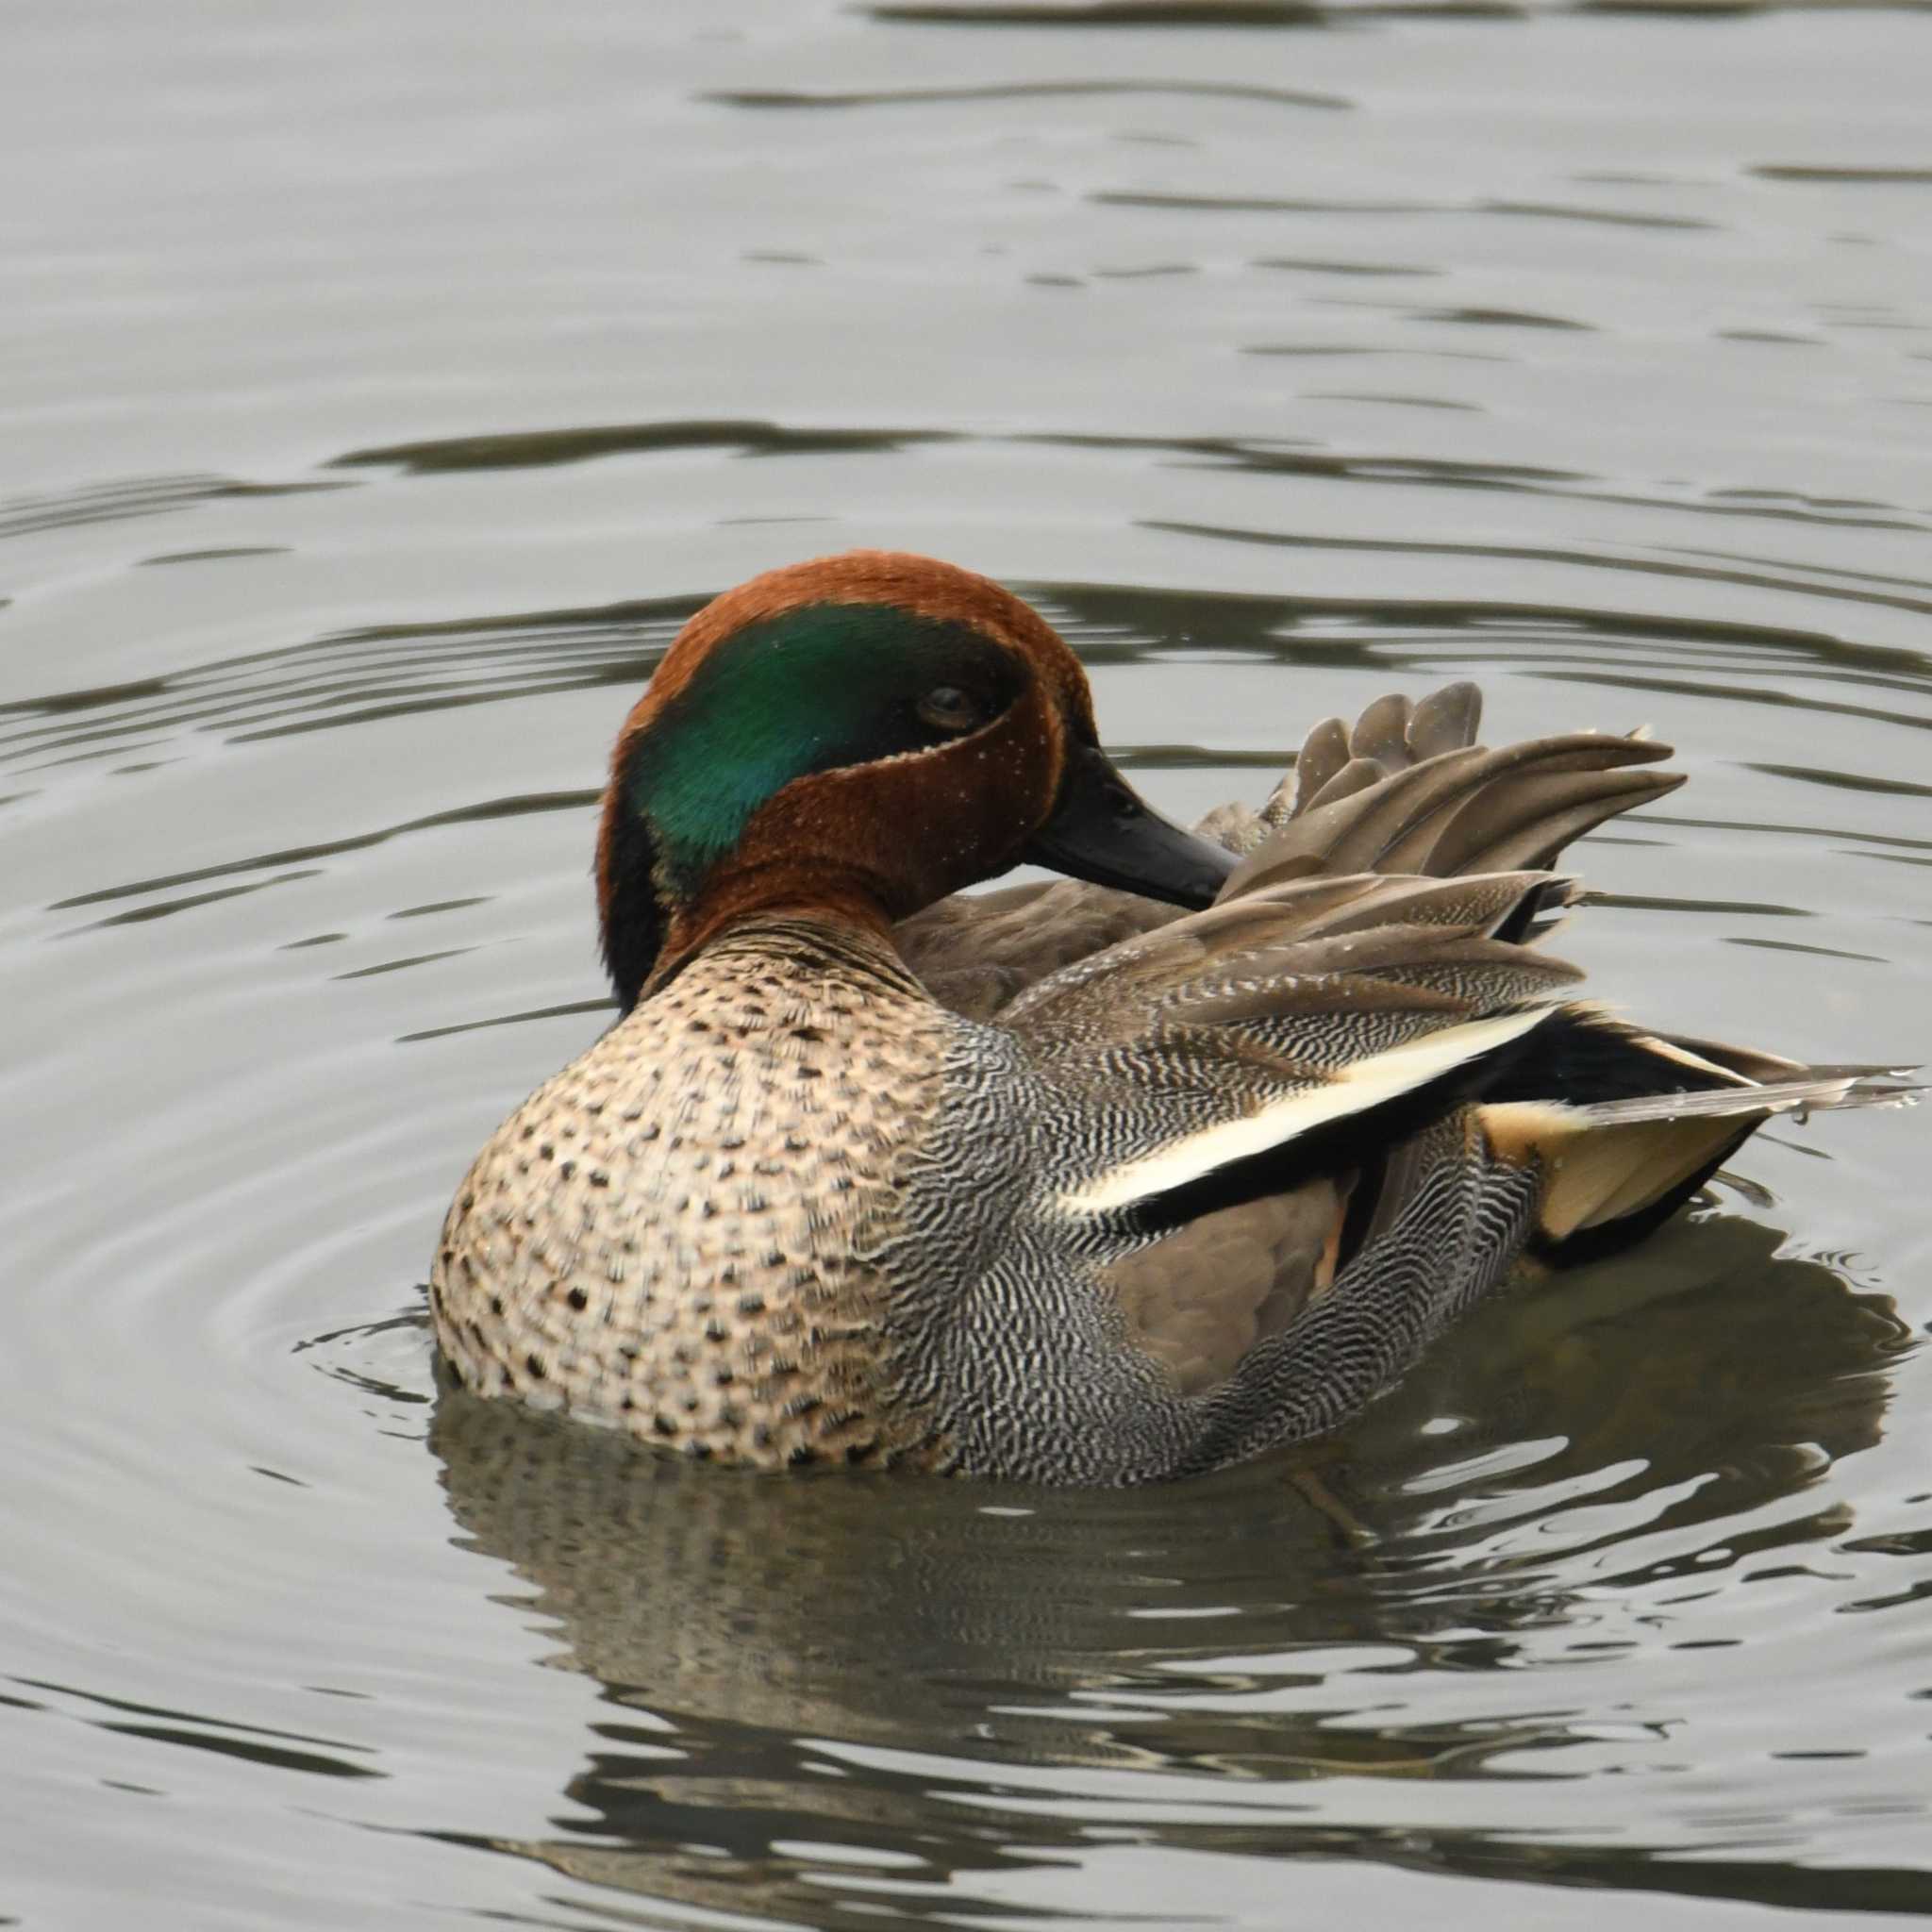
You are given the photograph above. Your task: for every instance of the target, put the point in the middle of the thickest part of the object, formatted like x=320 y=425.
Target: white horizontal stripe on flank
x=1368 y=1083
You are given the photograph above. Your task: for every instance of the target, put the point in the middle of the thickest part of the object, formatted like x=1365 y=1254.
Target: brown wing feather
x=1355 y=954
x=1461 y=811
x=1406 y=790
x=975 y=952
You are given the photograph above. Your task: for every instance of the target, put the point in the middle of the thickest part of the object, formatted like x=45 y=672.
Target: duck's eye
x=946 y=707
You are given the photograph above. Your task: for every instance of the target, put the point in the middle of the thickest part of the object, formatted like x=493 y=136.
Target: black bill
x=1103 y=831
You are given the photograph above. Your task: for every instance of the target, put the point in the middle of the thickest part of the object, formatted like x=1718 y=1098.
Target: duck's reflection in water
x=832 y=1697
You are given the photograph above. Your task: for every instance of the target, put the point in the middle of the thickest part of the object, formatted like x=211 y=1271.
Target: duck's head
x=860 y=736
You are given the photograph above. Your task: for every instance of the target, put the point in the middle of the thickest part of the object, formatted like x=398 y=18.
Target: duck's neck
x=855 y=959
x=821 y=899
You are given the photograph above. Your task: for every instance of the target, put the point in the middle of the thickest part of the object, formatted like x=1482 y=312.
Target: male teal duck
x=1059 y=1183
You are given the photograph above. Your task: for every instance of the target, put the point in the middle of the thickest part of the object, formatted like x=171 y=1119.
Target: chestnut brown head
x=862 y=734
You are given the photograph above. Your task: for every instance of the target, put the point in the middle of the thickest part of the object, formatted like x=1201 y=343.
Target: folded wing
x=1407 y=790
x=1328 y=1112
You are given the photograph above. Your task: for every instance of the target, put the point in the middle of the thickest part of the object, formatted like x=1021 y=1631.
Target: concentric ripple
x=390 y=388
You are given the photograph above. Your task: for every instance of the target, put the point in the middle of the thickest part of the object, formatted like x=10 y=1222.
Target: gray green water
x=379 y=386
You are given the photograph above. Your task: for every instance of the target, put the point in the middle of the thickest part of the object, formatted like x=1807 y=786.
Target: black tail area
x=1626 y=1126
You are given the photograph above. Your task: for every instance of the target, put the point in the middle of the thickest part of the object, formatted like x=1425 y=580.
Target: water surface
x=379 y=387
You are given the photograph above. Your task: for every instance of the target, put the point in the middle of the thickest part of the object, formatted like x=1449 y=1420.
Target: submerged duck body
x=1064 y=1183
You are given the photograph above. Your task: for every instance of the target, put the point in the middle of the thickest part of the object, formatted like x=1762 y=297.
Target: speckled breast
x=672 y=1234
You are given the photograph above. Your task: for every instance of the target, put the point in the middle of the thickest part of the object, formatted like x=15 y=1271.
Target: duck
x=1177 y=1159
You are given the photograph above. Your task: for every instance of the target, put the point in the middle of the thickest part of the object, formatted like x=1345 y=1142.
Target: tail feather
x=1821 y=1087
x=1626 y=1126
